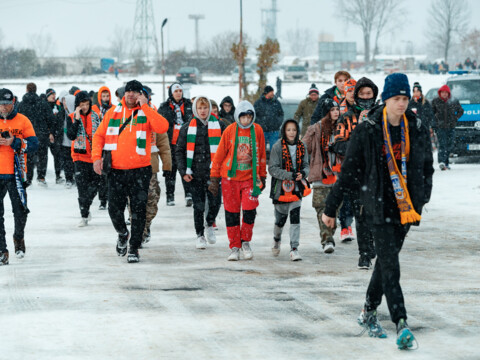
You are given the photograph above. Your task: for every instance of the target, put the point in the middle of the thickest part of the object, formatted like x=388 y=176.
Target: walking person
x=54 y=144
x=17 y=137
x=65 y=149
x=240 y=165
x=306 y=108
x=390 y=159
x=124 y=132
x=289 y=168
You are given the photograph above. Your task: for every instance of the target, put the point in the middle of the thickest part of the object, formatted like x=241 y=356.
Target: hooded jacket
x=447 y=112
x=229 y=116
x=40 y=115
x=269 y=113
x=167 y=110
x=101 y=109
x=223 y=160
x=364 y=169
x=275 y=168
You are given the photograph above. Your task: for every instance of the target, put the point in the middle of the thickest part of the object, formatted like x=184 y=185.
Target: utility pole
x=240 y=67
x=163 y=59
x=196 y=18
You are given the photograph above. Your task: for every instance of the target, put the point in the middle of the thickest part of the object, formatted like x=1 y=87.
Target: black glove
x=166 y=173
x=214 y=185
x=264 y=181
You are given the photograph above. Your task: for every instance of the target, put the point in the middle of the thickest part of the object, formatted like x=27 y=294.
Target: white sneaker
x=234 y=255
x=276 y=247
x=42 y=182
x=201 y=242
x=329 y=248
x=442 y=166
x=20 y=254
x=210 y=234
x=83 y=222
x=247 y=251
x=295 y=256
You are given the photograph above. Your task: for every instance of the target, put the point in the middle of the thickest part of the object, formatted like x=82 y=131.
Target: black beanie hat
x=73 y=90
x=313 y=89
x=81 y=97
x=327 y=105
x=134 y=85
x=49 y=92
x=418 y=86
x=267 y=89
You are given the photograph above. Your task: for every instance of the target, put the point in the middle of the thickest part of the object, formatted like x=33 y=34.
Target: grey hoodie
x=243 y=107
x=70 y=108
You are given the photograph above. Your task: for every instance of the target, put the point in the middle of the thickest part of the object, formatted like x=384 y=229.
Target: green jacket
x=305 y=111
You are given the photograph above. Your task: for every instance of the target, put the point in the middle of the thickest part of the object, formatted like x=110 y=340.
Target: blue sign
x=472 y=112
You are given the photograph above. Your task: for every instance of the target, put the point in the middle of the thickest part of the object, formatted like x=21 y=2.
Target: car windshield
x=186 y=70
x=467 y=91
x=296 y=68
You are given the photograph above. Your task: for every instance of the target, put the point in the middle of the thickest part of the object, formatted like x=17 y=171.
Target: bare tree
x=300 y=41
x=471 y=44
x=448 y=19
x=42 y=43
x=367 y=15
x=120 y=43
x=84 y=54
x=385 y=21
x=220 y=46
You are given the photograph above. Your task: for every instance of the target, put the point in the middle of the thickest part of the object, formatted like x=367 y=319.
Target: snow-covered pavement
x=72 y=297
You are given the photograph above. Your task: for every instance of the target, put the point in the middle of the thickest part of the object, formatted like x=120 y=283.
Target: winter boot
x=4 y=258
x=19 y=248
x=122 y=243
x=170 y=200
x=188 y=200
x=405 y=338
x=133 y=256
x=364 y=261
x=368 y=320
x=59 y=180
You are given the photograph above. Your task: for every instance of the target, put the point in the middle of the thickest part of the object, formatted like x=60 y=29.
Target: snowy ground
x=73 y=298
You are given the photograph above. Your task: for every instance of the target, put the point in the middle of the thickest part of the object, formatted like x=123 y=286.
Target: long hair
x=328 y=125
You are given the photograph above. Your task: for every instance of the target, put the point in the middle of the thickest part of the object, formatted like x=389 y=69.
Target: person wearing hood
x=80 y=129
x=67 y=106
x=227 y=110
x=365 y=95
x=306 y=108
x=41 y=117
x=119 y=93
x=336 y=93
x=421 y=106
x=240 y=164
x=177 y=110
x=447 y=111
x=389 y=163
x=288 y=165
x=54 y=144
x=17 y=137
x=195 y=149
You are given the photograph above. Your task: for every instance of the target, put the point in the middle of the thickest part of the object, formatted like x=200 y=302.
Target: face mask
x=365 y=104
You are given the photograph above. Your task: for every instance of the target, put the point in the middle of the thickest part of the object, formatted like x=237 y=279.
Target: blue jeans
x=445 y=144
x=271 y=137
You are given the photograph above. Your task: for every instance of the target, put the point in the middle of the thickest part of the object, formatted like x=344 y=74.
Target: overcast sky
x=76 y=23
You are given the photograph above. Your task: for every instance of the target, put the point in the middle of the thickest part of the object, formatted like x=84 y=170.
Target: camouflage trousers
x=152 y=202
x=318 y=202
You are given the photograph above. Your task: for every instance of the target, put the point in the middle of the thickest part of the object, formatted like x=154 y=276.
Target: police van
x=466 y=89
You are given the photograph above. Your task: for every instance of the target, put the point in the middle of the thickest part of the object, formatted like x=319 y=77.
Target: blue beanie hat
x=396 y=84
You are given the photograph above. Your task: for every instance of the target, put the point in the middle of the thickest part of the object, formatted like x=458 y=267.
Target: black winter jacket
x=318 y=113
x=229 y=116
x=364 y=169
x=268 y=114
x=201 y=156
x=167 y=110
x=424 y=111
x=40 y=114
x=446 y=113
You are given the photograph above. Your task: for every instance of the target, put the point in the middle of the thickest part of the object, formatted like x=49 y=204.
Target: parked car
x=296 y=73
x=431 y=94
x=289 y=107
x=189 y=74
x=249 y=74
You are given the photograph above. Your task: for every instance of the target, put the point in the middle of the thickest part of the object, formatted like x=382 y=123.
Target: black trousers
x=386 y=274
x=88 y=183
x=103 y=189
x=66 y=162
x=19 y=213
x=199 y=191
x=364 y=235
x=57 y=162
x=132 y=184
x=39 y=160
x=172 y=178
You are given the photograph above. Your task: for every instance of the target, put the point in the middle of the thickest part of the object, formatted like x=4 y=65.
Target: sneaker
x=247 y=251
x=170 y=200
x=294 y=255
x=234 y=255
x=405 y=338
x=42 y=182
x=344 y=235
x=442 y=166
x=351 y=235
x=146 y=237
x=59 y=180
x=83 y=222
x=215 y=227
x=364 y=261
x=448 y=167
x=19 y=248
x=276 y=247
x=122 y=243
x=4 y=258
x=133 y=256
x=201 y=242
x=368 y=320
x=103 y=206
x=69 y=184
x=329 y=248
x=188 y=200
x=210 y=234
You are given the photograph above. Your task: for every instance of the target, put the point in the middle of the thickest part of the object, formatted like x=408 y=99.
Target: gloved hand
x=214 y=185
x=264 y=182
x=166 y=173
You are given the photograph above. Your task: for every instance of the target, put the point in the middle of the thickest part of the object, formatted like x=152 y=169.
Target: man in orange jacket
x=131 y=168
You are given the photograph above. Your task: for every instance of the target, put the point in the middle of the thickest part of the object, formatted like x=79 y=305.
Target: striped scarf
x=138 y=118
x=408 y=215
x=288 y=192
x=214 y=136
x=338 y=96
x=80 y=142
x=20 y=175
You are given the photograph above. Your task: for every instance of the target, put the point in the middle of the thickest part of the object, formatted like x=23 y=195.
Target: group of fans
x=352 y=151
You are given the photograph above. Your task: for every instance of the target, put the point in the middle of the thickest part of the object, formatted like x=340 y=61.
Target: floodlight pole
x=163 y=58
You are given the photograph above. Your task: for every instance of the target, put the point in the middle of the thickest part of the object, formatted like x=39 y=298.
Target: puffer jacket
x=269 y=114
x=447 y=112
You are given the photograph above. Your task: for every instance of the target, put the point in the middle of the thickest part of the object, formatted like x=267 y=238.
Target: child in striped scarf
x=196 y=146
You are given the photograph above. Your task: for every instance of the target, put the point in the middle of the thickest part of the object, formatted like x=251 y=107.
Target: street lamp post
x=163 y=58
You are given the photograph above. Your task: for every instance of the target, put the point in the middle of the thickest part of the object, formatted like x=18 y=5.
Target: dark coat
x=167 y=110
x=268 y=114
x=201 y=156
x=40 y=115
x=446 y=113
x=318 y=112
x=424 y=111
x=229 y=116
x=363 y=169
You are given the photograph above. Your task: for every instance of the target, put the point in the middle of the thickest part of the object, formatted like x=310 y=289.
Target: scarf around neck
x=80 y=143
x=214 y=136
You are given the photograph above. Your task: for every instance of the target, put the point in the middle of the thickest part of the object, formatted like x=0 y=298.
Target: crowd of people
x=353 y=151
